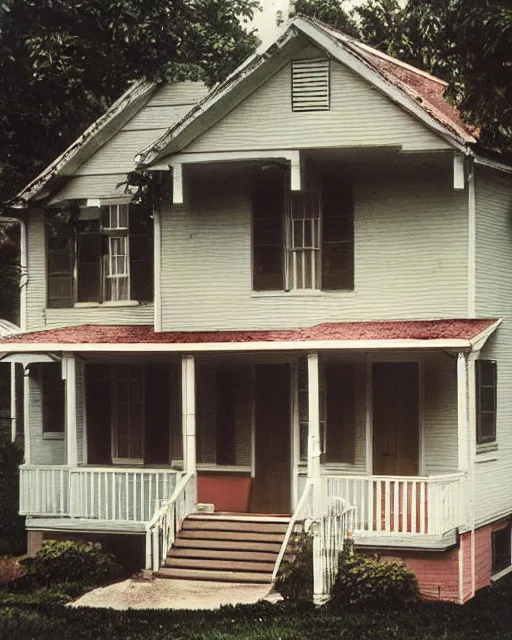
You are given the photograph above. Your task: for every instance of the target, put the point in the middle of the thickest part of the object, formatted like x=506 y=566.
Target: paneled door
x=271 y=484
x=395 y=394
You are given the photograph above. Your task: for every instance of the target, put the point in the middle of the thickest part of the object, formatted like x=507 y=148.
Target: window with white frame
x=486 y=379
x=102 y=254
x=302 y=241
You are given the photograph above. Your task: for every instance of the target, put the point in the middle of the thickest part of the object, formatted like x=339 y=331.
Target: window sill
x=103 y=305
x=501 y=574
x=220 y=468
x=486 y=448
x=53 y=435
x=311 y=293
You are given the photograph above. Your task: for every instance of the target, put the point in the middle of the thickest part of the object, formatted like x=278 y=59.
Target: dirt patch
x=172 y=594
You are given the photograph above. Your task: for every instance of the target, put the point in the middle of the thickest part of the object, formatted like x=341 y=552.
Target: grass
x=41 y=615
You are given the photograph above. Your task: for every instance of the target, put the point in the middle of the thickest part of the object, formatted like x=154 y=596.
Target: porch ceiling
x=455 y=334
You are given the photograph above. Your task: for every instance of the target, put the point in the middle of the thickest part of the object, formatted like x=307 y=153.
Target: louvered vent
x=310 y=85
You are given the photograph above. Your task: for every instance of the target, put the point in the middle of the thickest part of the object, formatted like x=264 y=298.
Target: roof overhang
x=222 y=342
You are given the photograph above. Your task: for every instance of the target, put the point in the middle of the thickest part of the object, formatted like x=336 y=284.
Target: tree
x=63 y=61
x=468 y=43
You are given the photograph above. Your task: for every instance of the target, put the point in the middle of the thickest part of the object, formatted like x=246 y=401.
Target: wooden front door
x=395 y=418
x=271 y=484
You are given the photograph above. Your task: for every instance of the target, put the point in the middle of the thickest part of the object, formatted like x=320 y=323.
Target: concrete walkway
x=172 y=594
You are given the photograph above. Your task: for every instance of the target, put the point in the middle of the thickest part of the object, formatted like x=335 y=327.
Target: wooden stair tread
x=213 y=576
x=233 y=525
x=222 y=554
x=226 y=565
x=230 y=517
x=228 y=545
x=241 y=536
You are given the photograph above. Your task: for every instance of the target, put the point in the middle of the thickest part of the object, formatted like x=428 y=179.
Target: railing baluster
x=414 y=494
x=396 y=505
x=405 y=490
x=422 y=504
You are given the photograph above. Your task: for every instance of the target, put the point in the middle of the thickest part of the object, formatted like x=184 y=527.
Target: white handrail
x=166 y=522
x=301 y=512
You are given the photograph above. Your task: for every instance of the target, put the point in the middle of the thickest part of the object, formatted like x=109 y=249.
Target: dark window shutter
x=486 y=383
x=98 y=395
x=340 y=413
x=141 y=254
x=158 y=409
x=268 y=205
x=89 y=264
x=60 y=244
x=337 y=235
x=53 y=398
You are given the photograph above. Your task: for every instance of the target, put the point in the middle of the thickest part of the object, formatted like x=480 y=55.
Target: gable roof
x=415 y=91
x=420 y=334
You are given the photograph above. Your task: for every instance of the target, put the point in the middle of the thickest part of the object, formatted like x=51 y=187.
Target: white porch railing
x=165 y=524
x=430 y=505
x=101 y=493
x=44 y=490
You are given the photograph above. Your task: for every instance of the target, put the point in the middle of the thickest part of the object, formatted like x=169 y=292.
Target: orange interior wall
x=227 y=493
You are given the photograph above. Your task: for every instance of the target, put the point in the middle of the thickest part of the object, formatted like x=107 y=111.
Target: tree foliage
x=468 y=43
x=63 y=61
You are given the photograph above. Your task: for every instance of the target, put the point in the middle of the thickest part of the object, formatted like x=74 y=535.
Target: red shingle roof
x=144 y=334
x=427 y=90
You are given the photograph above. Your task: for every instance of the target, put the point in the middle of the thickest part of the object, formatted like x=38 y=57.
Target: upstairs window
x=302 y=240
x=310 y=85
x=105 y=255
x=486 y=378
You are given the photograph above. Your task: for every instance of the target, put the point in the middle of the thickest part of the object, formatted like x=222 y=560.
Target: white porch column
x=26 y=415
x=69 y=375
x=314 y=448
x=462 y=411
x=188 y=390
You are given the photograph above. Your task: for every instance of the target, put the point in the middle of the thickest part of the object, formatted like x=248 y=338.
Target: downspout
x=471 y=238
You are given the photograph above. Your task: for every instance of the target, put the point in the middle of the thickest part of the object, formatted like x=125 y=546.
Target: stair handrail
x=162 y=529
x=301 y=512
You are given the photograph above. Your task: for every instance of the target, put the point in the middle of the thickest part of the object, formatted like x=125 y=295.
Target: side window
x=106 y=255
x=486 y=379
x=52 y=390
x=501 y=548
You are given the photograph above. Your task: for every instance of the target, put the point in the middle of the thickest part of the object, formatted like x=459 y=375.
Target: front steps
x=226 y=547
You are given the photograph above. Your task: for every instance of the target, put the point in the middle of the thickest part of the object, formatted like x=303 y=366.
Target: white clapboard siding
x=98 y=186
x=493 y=299
x=358 y=116
x=410 y=256
x=310 y=84
x=39 y=317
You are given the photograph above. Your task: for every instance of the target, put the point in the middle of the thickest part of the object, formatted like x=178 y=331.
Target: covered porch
x=250 y=422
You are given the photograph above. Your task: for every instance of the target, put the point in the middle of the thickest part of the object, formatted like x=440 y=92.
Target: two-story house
x=308 y=320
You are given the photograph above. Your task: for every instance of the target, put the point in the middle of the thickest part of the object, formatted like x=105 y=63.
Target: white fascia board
x=492 y=164
x=348 y=56
x=219 y=101
x=94 y=137
x=478 y=342
x=201 y=347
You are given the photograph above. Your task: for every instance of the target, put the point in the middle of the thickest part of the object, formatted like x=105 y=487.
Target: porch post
x=69 y=375
x=462 y=411
x=314 y=448
x=27 y=422
x=188 y=390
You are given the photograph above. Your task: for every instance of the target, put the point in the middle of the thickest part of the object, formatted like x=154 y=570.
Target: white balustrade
x=101 y=493
x=44 y=490
x=167 y=520
x=412 y=505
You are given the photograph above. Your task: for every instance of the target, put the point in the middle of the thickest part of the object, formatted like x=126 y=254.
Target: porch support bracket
x=188 y=413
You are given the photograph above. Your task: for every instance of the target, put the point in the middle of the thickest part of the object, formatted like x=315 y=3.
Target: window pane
x=335 y=229
x=487 y=426
x=501 y=556
x=268 y=268
x=486 y=400
x=53 y=398
x=89 y=282
x=140 y=248
x=487 y=369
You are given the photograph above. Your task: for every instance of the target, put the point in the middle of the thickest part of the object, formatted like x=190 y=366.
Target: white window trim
x=107 y=303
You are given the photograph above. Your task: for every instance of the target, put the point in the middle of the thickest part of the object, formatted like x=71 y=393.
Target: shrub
x=295 y=579
x=71 y=561
x=12 y=526
x=9 y=569
x=367 y=581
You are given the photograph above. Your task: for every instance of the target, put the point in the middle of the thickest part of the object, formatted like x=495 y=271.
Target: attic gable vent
x=310 y=84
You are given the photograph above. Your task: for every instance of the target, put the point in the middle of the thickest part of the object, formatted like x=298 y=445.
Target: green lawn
x=42 y=616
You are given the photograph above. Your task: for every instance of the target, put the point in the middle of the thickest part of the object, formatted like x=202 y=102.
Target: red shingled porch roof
x=338 y=331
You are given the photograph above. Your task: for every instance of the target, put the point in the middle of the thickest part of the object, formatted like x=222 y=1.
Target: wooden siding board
x=359 y=115
x=178 y=94
x=493 y=268
x=84 y=187
x=440 y=415
x=410 y=258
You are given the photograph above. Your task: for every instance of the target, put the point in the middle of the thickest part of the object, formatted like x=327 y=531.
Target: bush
x=295 y=579
x=71 y=561
x=12 y=526
x=365 y=581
